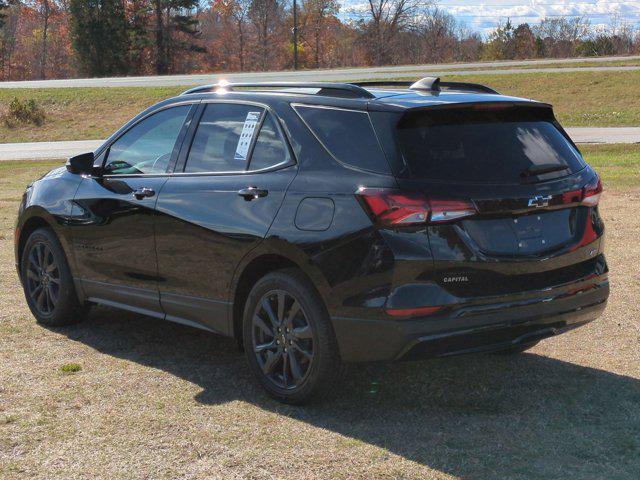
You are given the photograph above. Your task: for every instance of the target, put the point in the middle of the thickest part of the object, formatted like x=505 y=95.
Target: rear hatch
x=509 y=202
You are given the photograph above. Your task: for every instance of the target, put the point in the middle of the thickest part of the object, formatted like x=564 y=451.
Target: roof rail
x=432 y=84
x=345 y=90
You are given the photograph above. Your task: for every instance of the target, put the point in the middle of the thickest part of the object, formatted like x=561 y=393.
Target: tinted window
x=348 y=135
x=223 y=138
x=484 y=147
x=147 y=147
x=269 y=149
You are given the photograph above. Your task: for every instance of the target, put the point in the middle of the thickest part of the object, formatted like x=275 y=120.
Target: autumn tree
x=524 y=42
x=235 y=28
x=317 y=17
x=99 y=33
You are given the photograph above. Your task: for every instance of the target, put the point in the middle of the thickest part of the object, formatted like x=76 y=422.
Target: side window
x=223 y=138
x=147 y=146
x=270 y=149
x=347 y=135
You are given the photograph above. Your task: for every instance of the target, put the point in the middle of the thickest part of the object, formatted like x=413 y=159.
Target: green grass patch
x=70 y=368
x=617 y=164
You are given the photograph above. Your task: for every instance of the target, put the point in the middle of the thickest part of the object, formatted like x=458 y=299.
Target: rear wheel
x=289 y=341
x=47 y=281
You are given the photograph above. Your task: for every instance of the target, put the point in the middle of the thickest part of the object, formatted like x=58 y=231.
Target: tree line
x=42 y=39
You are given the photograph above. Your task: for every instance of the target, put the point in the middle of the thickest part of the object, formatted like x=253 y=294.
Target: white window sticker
x=244 y=141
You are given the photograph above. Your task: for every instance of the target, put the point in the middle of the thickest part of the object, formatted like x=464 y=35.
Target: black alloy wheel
x=46 y=278
x=43 y=278
x=282 y=339
x=288 y=338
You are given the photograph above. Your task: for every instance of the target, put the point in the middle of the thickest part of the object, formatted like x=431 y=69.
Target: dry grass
x=156 y=400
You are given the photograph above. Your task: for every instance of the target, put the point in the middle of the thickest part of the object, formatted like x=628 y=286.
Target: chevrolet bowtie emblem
x=539 y=201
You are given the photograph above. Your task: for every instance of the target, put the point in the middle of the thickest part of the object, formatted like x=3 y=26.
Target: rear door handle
x=251 y=193
x=144 y=192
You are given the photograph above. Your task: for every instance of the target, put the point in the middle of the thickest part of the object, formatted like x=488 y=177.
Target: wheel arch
x=259 y=264
x=32 y=223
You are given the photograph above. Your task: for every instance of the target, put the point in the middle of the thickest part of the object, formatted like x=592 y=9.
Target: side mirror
x=82 y=164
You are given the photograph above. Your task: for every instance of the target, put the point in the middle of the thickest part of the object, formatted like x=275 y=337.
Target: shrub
x=23 y=112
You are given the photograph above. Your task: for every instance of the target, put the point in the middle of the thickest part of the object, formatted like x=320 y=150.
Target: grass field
x=123 y=396
x=580 y=99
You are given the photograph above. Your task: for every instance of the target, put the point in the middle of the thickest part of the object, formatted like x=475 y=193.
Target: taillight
x=394 y=208
x=591 y=193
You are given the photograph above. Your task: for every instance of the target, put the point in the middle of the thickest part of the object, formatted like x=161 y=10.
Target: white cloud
x=483 y=16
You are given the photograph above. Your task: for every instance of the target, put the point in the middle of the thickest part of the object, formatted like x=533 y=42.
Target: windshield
x=467 y=146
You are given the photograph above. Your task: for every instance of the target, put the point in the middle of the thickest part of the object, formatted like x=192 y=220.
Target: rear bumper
x=476 y=328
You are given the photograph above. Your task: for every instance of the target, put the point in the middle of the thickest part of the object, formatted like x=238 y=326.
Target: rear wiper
x=544 y=168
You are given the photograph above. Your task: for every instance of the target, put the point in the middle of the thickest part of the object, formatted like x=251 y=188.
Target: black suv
x=321 y=223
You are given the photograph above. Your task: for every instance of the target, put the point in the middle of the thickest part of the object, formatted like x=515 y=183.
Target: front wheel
x=47 y=281
x=288 y=337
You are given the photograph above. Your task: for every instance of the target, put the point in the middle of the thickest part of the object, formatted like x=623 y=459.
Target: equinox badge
x=539 y=201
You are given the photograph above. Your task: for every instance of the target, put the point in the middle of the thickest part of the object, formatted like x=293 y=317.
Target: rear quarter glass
x=484 y=146
x=347 y=135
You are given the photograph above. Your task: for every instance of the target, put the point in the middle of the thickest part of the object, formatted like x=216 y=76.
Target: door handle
x=251 y=193
x=144 y=192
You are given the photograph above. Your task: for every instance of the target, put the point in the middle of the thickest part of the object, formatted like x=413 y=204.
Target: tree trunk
x=161 y=59
x=45 y=31
x=317 y=52
x=241 y=40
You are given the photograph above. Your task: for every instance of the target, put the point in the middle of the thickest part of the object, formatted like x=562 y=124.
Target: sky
x=483 y=16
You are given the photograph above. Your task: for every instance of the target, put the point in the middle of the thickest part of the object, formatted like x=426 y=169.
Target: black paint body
x=185 y=253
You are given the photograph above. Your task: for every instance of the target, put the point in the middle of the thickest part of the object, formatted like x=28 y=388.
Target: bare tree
x=560 y=36
x=436 y=31
x=44 y=10
x=240 y=14
x=382 y=25
x=267 y=18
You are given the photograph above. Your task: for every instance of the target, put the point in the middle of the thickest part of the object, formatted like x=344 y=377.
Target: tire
x=301 y=362
x=47 y=281
x=517 y=349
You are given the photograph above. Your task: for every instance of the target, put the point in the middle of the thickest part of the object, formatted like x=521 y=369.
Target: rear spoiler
x=431 y=84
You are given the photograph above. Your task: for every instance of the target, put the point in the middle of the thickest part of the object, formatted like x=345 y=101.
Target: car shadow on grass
x=480 y=416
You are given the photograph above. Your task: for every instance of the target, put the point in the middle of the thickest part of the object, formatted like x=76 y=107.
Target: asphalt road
x=55 y=150
x=344 y=74
x=46 y=150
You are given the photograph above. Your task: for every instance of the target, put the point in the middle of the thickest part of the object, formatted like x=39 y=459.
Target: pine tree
x=100 y=37
x=176 y=29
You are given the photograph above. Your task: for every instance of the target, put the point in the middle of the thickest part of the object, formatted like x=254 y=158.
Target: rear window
x=347 y=135
x=485 y=146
